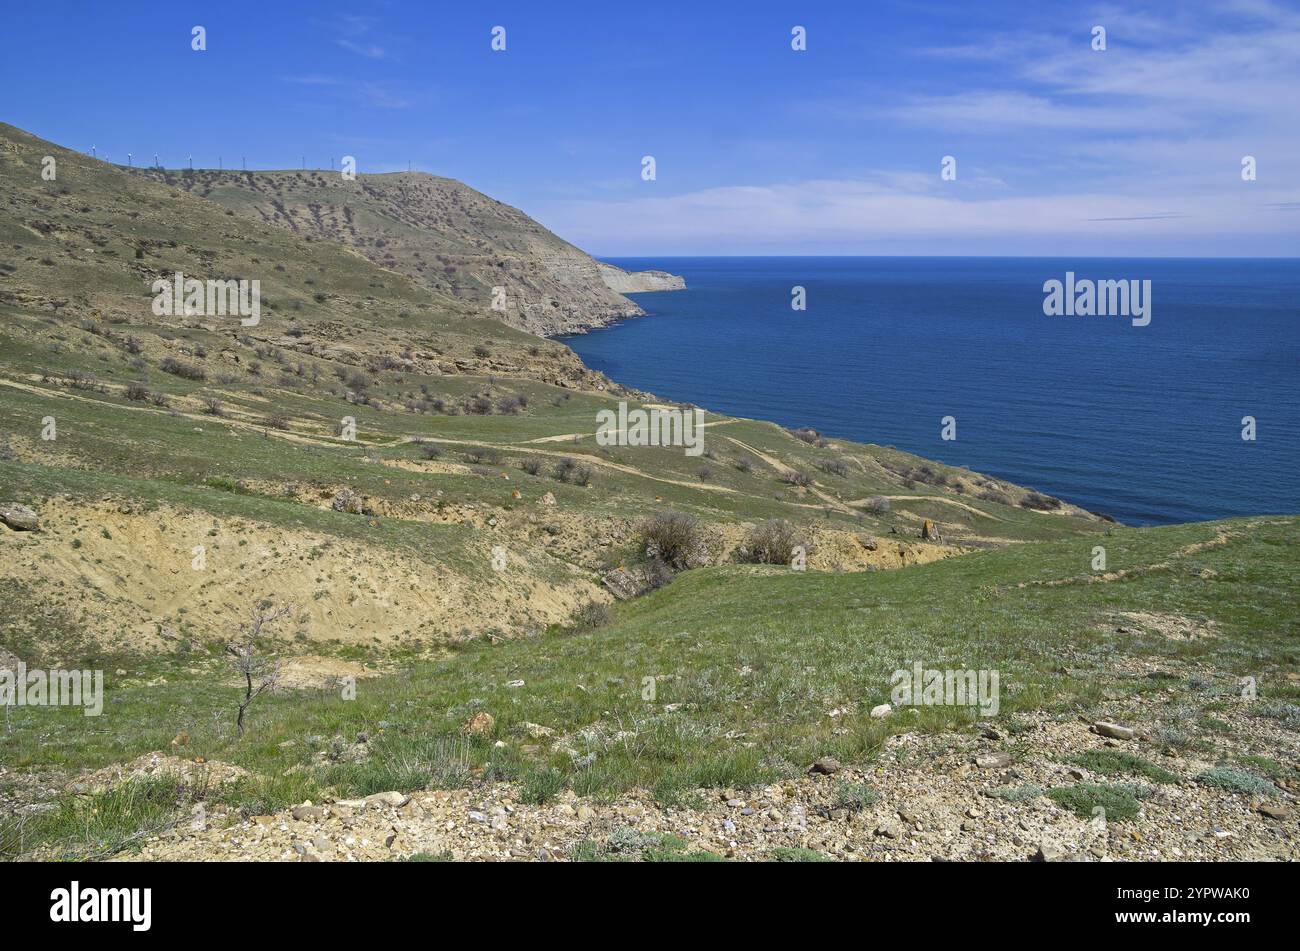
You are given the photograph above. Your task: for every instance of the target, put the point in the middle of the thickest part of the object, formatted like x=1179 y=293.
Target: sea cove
x=1143 y=424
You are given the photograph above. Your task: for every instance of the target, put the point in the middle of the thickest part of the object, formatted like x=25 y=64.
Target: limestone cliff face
x=442 y=234
x=639 y=282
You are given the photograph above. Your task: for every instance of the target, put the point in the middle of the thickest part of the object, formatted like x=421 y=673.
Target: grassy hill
x=439 y=232
x=757 y=672
x=188 y=471
x=463 y=429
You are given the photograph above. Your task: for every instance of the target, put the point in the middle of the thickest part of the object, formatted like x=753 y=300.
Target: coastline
x=848 y=367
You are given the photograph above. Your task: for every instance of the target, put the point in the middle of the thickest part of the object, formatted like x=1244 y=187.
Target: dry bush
x=674 y=538
x=258 y=671
x=592 y=615
x=773 y=543
x=573 y=472
x=183 y=370
x=876 y=505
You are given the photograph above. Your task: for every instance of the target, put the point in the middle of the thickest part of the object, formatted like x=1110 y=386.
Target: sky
x=1059 y=148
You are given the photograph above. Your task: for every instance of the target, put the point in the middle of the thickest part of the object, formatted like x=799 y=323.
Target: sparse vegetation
x=673 y=538
x=1237 y=780
x=185 y=371
x=573 y=472
x=773 y=543
x=1090 y=800
x=1109 y=762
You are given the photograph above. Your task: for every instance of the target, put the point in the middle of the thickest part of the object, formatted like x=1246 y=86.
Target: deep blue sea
x=1141 y=423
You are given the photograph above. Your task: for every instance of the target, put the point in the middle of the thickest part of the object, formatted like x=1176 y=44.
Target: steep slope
x=469 y=436
x=88 y=244
x=442 y=234
x=756 y=673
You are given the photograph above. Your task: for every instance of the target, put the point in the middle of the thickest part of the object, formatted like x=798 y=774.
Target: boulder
x=1114 y=730
x=626 y=583
x=348 y=501
x=19 y=517
x=827 y=766
x=391 y=799
x=480 y=724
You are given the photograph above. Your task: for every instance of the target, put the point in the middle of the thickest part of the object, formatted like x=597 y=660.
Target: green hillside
x=532 y=619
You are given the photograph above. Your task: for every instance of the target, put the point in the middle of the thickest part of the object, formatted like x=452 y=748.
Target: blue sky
x=759 y=149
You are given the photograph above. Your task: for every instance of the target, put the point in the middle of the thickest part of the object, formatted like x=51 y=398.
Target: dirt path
x=594 y=460
x=236 y=423
x=571 y=436
x=231 y=418
x=933 y=498
x=784 y=469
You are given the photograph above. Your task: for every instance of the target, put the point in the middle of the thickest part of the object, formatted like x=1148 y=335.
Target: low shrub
x=573 y=472
x=1236 y=780
x=772 y=543
x=185 y=371
x=674 y=538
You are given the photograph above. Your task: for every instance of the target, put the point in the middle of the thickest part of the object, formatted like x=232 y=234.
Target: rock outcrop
x=440 y=233
x=19 y=517
x=639 y=282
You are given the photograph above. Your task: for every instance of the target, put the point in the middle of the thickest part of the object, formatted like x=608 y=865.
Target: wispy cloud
x=867 y=216
x=355 y=37
x=380 y=95
x=368 y=50
x=1075 y=147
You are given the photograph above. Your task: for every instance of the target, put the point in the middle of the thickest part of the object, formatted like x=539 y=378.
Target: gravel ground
x=933 y=803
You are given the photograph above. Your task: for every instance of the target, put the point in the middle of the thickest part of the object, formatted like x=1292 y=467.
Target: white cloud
x=855 y=215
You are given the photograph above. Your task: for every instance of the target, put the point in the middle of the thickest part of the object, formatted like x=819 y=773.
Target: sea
x=1194 y=415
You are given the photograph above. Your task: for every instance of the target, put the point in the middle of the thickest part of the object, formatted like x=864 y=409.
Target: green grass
x=854 y=796
x=1110 y=762
x=1117 y=802
x=100 y=825
x=1025 y=792
x=1237 y=780
x=628 y=845
x=749 y=655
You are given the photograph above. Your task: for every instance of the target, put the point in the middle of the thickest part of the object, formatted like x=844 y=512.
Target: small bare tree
x=260 y=672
